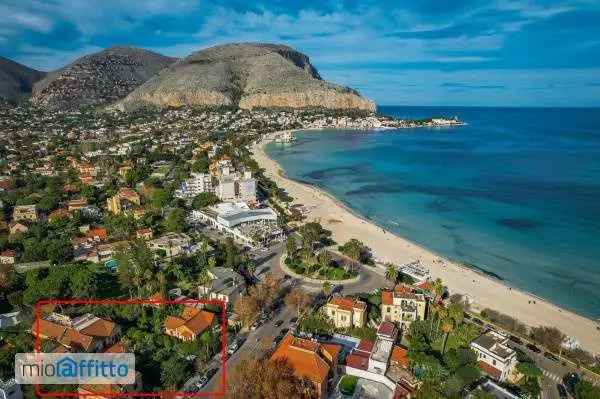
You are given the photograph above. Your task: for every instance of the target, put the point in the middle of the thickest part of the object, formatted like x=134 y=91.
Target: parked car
x=202 y=381
x=570 y=381
x=551 y=356
x=533 y=348
x=232 y=348
x=516 y=339
x=278 y=323
x=562 y=391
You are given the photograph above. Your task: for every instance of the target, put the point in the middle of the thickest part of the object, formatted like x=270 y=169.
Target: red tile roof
x=365 y=346
x=302 y=356
x=386 y=328
x=490 y=370
x=399 y=356
x=347 y=303
x=357 y=361
x=387 y=298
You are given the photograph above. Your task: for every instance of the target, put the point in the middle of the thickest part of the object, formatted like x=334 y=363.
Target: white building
x=247 y=188
x=226 y=285
x=197 y=184
x=495 y=357
x=251 y=226
x=226 y=189
x=386 y=337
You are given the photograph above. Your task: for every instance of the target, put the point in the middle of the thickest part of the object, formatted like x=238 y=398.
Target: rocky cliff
x=247 y=75
x=98 y=78
x=16 y=80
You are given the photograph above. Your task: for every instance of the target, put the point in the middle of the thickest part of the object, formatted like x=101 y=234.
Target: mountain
x=98 y=78
x=16 y=80
x=247 y=75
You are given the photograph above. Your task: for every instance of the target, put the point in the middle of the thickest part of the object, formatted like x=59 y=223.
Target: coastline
x=482 y=290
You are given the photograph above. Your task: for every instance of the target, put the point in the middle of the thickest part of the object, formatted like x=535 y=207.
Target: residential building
x=225 y=285
x=10 y=389
x=174 y=244
x=312 y=360
x=144 y=234
x=494 y=355
x=87 y=333
x=492 y=388
x=193 y=322
x=403 y=305
x=197 y=184
x=25 y=213
x=8 y=257
x=125 y=200
x=387 y=333
x=76 y=204
x=226 y=189
x=346 y=312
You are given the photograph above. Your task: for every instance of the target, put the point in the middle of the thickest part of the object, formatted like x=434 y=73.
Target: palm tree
x=438 y=289
x=204 y=280
x=327 y=288
x=447 y=327
x=391 y=273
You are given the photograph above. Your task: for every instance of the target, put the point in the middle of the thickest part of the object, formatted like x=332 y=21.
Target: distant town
x=169 y=206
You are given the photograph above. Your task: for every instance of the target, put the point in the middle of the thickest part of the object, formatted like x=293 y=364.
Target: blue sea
x=514 y=194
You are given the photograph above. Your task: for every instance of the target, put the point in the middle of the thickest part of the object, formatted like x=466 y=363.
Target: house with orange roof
x=144 y=234
x=346 y=312
x=403 y=305
x=192 y=323
x=314 y=361
x=25 y=213
x=97 y=234
x=124 y=200
x=87 y=333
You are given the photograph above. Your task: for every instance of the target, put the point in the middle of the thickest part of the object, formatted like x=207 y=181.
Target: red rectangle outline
x=221 y=303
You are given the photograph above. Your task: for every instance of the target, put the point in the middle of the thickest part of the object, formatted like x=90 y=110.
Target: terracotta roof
x=333 y=350
x=347 y=303
x=200 y=322
x=358 y=361
x=172 y=322
x=97 y=232
x=116 y=348
x=386 y=328
x=48 y=329
x=399 y=356
x=100 y=328
x=8 y=253
x=192 y=321
x=365 y=346
x=490 y=370
x=73 y=338
x=302 y=356
x=387 y=298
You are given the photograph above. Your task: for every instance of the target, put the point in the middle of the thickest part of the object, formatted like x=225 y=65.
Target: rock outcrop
x=98 y=78
x=247 y=75
x=16 y=80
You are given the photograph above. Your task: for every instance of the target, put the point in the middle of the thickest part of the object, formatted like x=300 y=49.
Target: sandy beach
x=482 y=291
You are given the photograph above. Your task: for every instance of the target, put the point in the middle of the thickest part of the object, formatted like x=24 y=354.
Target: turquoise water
x=514 y=194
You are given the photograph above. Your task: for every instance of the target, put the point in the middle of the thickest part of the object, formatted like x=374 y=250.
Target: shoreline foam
x=483 y=291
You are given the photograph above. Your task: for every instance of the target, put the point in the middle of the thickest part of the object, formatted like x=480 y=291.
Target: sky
x=402 y=52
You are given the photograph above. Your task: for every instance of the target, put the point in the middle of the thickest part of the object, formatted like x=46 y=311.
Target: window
x=494 y=362
x=389 y=309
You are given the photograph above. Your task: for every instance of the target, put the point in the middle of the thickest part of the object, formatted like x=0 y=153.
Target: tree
x=585 y=390
x=6 y=276
x=160 y=198
x=246 y=307
x=175 y=220
x=438 y=289
x=550 y=337
x=230 y=253
x=173 y=372
x=203 y=200
x=267 y=379
x=356 y=250
x=326 y=288
x=299 y=299
x=391 y=273
x=290 y=245
x=447 y=328
x=59 y=251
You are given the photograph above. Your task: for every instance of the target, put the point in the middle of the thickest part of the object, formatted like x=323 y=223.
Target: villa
x=312 y=360
x=25 y=213
x=124 y=201
x=226 y=285
x=87 y=333
x=192 y=323
x=8 y=257
x=173 y=244
x=346 y=312
x=403 y=305
x=495 y=357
